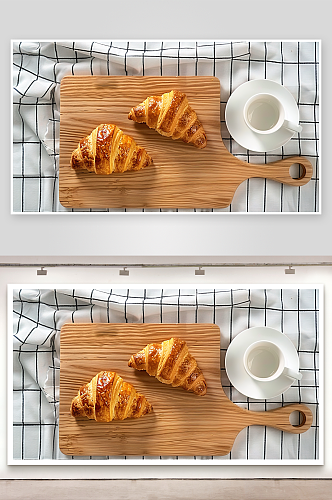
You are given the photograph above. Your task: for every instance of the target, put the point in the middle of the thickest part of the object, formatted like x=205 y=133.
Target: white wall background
x=251 y=275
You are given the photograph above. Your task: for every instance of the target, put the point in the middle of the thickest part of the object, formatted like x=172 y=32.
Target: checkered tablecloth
x=38 y=68
x=39 y=314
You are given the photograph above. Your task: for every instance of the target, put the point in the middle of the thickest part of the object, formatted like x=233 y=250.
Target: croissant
x=171 y=115
x=107 y=397
x=171 y=363
x=107 y=149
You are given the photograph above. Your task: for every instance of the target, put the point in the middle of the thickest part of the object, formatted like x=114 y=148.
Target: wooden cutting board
x=181 y=176
x=181 y=422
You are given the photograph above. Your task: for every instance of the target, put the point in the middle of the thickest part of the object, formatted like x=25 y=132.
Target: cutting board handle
x=279 y=170
x=279 y=418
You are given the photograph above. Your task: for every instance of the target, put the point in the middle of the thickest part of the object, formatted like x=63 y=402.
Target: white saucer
x=237 y=127
x=237 y=373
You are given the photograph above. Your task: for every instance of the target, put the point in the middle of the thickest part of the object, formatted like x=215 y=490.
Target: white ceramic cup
x=265 y=114
x=264 y=361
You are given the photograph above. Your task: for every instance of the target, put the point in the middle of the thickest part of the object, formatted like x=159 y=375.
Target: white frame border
x=110 y=462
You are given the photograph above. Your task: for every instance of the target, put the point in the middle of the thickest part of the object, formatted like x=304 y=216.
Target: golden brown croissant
x=107 y=149
x=171 y=363
x=171 y=115
x=107 y=397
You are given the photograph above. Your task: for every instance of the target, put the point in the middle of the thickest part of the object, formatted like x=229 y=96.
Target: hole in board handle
x=297 y=418
x=297 y=171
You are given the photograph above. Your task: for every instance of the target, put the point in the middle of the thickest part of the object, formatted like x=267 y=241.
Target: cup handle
x=292 y=374
x=292 y=126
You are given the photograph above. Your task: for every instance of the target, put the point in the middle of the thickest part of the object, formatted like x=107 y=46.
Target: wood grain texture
x=181 y=176
x=181 y=423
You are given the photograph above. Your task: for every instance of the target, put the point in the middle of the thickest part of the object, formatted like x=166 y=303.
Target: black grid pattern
x=38 y=316
x=38 y=68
